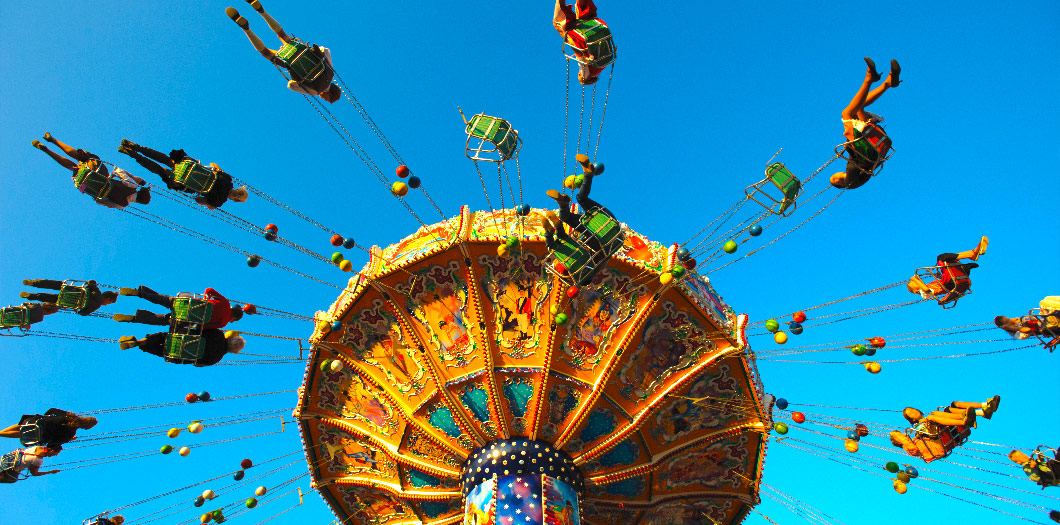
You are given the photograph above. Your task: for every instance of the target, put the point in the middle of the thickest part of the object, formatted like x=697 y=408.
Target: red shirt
x=222 y=311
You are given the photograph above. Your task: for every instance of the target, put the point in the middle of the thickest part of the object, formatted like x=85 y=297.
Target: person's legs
x=583 y=194
x=63 y=161
x=48 y=284
x=150 y=295
x=869 y=99
x=559 y=17
x=568 y=217
x=974 y=253
x=273 y=24
x=947 y=419
x=143 y=317
x=851 y=111
x=40 y=297
x=152 y=154
x=154 y=344
x=11 y=432
x=74 y=153
x=254 y=39
x=1018 y=457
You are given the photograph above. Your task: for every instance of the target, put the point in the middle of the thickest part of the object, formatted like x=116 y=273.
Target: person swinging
x=860 y=126
x=83 y=299
x=211 y=186
x=950 y=279
x=91 y=177
x=588 y=36
x=936 y=435
x=308 y=64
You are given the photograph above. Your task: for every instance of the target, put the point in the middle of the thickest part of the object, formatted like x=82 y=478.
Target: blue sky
x=702 y=97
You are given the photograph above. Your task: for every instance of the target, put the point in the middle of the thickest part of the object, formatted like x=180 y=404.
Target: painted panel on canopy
x=629 y=489
x=517 y=392
x=375 y=336
x=447 y=428
x=600 y=513
x=628 y=453
x=515 y=301
x=438 y=510
x=424 y=241
x=715 y=466
x=434 y=295
x=426 y=447
x=372 y=507
x=693 y=511
x=416 y=479
x=351 y=395
x=472 y=397
x=673 y=339
x=726 y=403
x=560 y=401
x=600 y=315
x=603 y=421
x=504 y=223
x=342 y=454
x=701 y=291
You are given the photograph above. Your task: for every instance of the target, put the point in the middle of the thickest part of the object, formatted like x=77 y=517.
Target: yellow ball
x=346 y=266
x=399 y=188
x=900 y=487
x=665 y=278
x=851 y=445
x=173 y=432
x=184 y=451
x=195 y=427
x=780 y=338
x=873 y=367
x=554 y=309
x=503 y=250
x=336 y=365
x=570 y=183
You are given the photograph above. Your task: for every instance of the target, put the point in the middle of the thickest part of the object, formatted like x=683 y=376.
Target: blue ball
x=870 y=351
x=238 y=475
x=336 y=326
x=782 y=403
x=683 y=253
x=853 y=435
x=414 y=182
x=204 y=396
x=270 y=235
x=755 y=230
x=523 y=209
x=598 y=168
x=199 y=500
x=911 y=470
x=348 y=243
x=795 y=327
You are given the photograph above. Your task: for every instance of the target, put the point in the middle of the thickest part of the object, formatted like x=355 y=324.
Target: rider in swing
x=320 y=85
x=125 y=189
x=564 y=18
x=856 y=118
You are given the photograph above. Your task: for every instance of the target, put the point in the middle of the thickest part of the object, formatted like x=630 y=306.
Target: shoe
x=24 y=295
x=562 y=199
x=47 y=136
x=27 y=282
x=129 y=291
x=981 y=249
x=583 y=159
x=256 y=5
x=122 y=318
x=126 y=146
x=872 y=67
x=239 y=20
x=38 y=145
x=895 y=71
x=127 y=341
x=991 y=406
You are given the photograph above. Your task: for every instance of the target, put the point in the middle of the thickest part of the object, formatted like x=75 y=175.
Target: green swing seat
x=189 y=309
x=92 y=179
x=14 y=317
x=575 y=258
x=184 y=348
x=497 y=132
x=194 y=176
x=605 y=228
x=871 y=147
x=598 y=43
x=788 y=184
x=302 y=62
x=72 y=297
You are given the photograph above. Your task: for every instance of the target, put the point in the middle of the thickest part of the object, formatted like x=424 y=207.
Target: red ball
x=799 y=317
x=191 y=398
x=336 y=240
x=689 y=263
x=572 y=291
x=877 y=342
x=560 y=268
x=272 y=228
x=403 y=171
x=798 y=417
x=250 y=309
x=246 y=463
x=861 y=429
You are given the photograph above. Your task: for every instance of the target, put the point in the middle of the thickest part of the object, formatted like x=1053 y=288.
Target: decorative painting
x=378 y=338
x=479 y=508
x=517 y=289
x=603 y=306
x=437 y=299
x=672 y=342
x=680 y=416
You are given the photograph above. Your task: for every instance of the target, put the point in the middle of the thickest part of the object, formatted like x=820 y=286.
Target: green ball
x=336 y=257
x=859 y=350
x=578 y=180
x=772 y=325
x=729 y=247
x=561 y=318
x=903 y=477
x=677 y=271
x=512 y=242
x=166 y=449
x=251 y=503
x=781 y=428
x=217 y=515
x=891 y=467
x=325 y=365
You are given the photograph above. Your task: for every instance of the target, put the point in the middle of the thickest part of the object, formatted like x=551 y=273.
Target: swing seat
x=952 y=437
x=605 y=228
x=92 y=179
x=948 y=283
x=576 y=258
x=194 y=176
x=188 y=308
x=597 y=43
x=14 y=317
x=497 y=132
x=302 y=62
x=871 y=147
x=787 y=184
x=184 y=348
x=72 y=296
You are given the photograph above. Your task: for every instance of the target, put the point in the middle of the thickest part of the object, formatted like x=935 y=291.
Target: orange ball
x=851 y=445
x=403 y=171
x=336 y=240
x=798 y=417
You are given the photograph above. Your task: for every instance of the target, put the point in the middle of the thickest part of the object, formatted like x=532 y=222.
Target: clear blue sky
x=703 y=95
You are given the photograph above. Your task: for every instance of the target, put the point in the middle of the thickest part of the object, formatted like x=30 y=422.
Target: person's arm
x=297 y=88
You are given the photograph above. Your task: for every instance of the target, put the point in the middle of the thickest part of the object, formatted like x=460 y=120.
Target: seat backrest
x=194 y=176
x=192 y=309
x=72 y=297
x=302 y=62
x=184 y=348
x=597 y=38
x=784 y=180
x=14 y=316
x=92 y=179
x=604 y=227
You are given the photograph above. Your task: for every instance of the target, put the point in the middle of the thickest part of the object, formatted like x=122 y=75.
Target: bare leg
x=559 y=18
x=63 y=161
x=254 y=40
x=857 y=103
x=872 y=96
x=974 y=253
x=273 y=24
x=11 y=432
x=74 y=153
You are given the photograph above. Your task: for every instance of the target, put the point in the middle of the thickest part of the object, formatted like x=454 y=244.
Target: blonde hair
x=236 y=343
x=239 y=194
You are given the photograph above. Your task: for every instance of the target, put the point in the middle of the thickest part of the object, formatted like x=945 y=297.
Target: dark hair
x=237 y=313
x=334 y=93
x=177 y=155
x=110 y=295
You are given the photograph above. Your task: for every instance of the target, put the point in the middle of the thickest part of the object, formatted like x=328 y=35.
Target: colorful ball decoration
x=858 y=350
x=781 y=403
x=270 y=235
x=166 y=449
x=795 y=327
x=798 y=417
x=689 y=263
x=173 y=432
x=729 y=246
x=755 y=230
x=336 y=326
x=569 y=182
x=579 y=180
x=184 y=451
x=572 y=291
x=870 y=351
x=253 y=261
x=260 y=491
x=250 y=309
x=349 y=243
x=561 y=318
x=204 y=395
x=900 y=487
x=238 y=475
x=512 y=242
x=218 y=515
x=772 y=325
x=246 y=463
x=251 y=503
x=199 y=501
x=780 y=338
x=325 y=365
x=523 y=209
x=850 y=445
x=912 y=471
x=414 y=182
x=678 y=271
x=337 y=257
x=559 y=267
x=598 y=168
x=346 y=266
x=399 y=189
x=207 y=494
x=903 y=477
x=195 y=427
x=873 y=367
x=861 y=429
x=665 y=278
x=337 y=240
x=781 y=428
x=682 y=253
x=891 y=467
x=853 y=435
x=402 y=171
x=503 y=250
x=272 y=228
x=799 y=317
x=206 y=518
x=336 y=365
x=877 y=342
